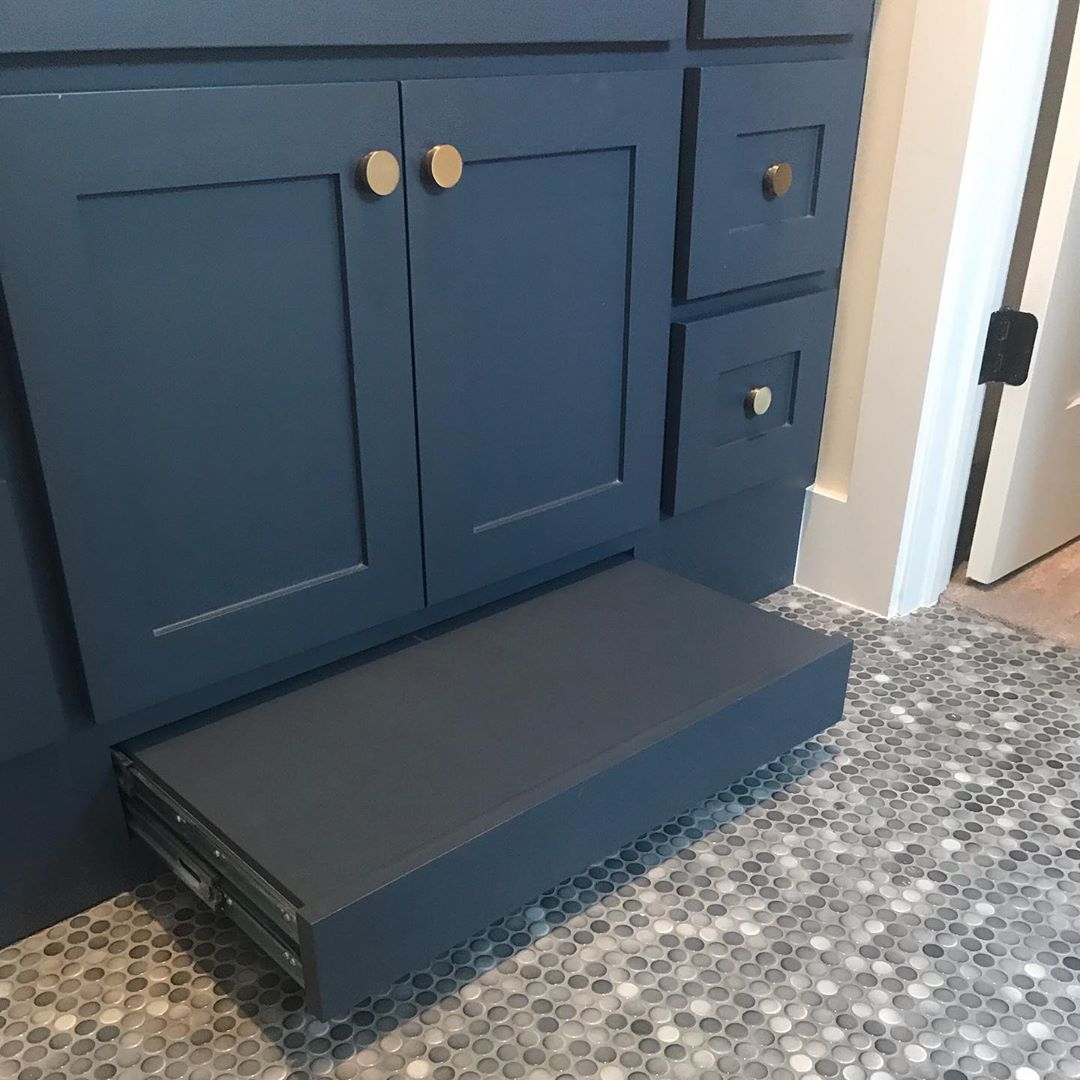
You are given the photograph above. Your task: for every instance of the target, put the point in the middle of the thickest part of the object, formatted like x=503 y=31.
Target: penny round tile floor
x=897 y=898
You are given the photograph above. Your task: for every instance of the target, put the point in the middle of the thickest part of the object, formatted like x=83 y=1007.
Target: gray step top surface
x=341 y=786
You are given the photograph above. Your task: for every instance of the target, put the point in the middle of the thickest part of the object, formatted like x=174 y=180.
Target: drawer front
x=717 y=20
x=771 y=172
x=717 y=443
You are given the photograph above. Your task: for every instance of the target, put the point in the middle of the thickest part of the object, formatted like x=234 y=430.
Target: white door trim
x=882 y=537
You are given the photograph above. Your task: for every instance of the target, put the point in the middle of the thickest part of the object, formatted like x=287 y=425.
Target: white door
x=1031 y=501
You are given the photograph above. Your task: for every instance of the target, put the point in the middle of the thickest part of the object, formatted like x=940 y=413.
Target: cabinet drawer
x=716 y=443
x=770 y=172
x=717 y=20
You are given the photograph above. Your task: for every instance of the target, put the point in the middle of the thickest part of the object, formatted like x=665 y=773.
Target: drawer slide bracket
x=207 y=867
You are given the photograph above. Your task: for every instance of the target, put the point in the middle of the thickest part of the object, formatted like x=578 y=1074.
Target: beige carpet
x=1043 y=597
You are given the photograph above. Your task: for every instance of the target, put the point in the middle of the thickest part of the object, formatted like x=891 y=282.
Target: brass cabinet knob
x=379 y=173
x=443 y=165
x=759 y=400
x=777 y=181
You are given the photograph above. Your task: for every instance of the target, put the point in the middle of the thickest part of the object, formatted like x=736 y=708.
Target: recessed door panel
x=562 y=389
x=540 y=293
x=213 y=328
x=223 y=406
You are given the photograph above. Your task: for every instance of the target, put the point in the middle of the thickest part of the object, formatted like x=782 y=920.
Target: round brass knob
x=759 y=400
x=379 y=172
x=443 y=165
x=777 y=181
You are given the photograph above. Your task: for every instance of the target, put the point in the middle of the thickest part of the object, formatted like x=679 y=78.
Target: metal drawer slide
x=207 y=866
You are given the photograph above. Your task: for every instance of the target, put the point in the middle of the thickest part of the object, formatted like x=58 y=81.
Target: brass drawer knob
x=443 y=165
x=379 y=173
x=777 y=181
x=759 y=400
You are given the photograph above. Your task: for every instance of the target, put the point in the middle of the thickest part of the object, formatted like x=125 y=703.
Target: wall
x=883 y=107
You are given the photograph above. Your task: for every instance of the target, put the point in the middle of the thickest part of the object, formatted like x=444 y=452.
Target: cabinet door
x=541 y=298
x=212 y=324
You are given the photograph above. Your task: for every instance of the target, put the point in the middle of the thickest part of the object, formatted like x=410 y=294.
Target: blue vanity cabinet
x=541 y=286
x=213 y=330
x=277 y=442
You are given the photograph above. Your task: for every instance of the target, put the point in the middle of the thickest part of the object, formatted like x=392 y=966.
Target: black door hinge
x=1010 y=345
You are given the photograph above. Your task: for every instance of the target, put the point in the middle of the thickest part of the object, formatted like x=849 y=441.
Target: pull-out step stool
x=360 y=824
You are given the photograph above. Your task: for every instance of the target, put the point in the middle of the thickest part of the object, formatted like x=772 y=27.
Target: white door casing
x=952 y=102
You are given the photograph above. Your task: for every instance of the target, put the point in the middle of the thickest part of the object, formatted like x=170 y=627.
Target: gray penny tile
x=897 y=898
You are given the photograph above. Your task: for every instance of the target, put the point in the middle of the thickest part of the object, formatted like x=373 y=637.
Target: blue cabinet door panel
x=212 y=323
x=540 y=355
x=749 y=118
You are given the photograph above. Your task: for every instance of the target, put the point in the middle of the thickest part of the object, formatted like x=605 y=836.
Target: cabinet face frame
x=162 y=157
x=541 y=289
